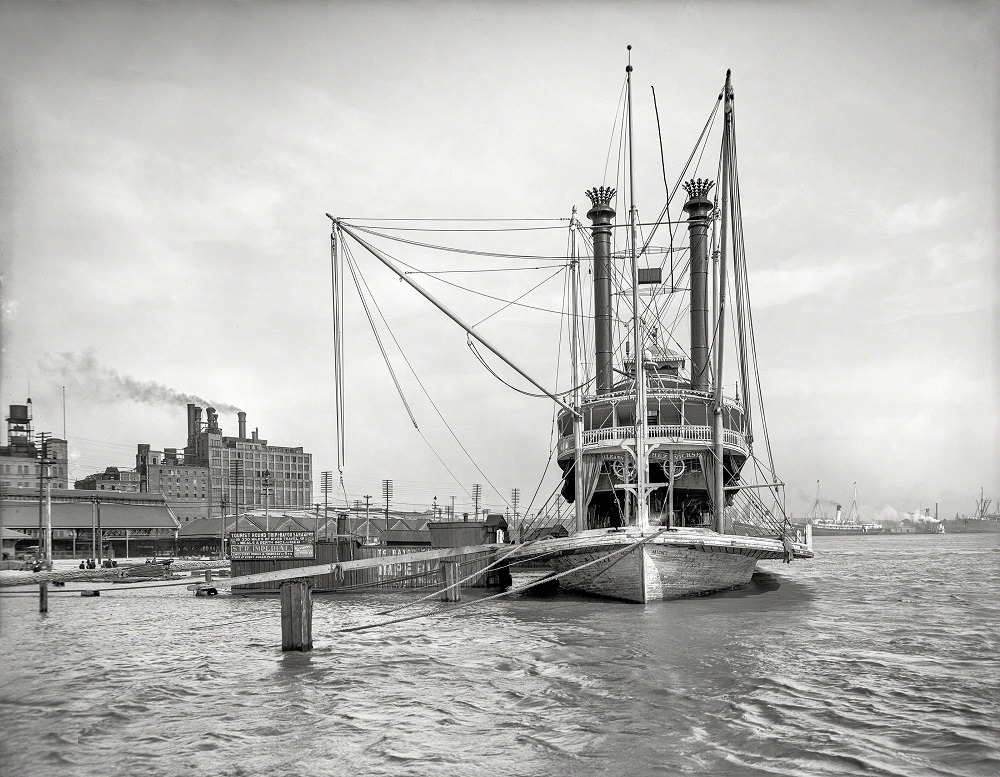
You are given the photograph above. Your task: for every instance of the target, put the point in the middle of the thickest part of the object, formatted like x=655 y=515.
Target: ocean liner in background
x=822 y=526
x=983 y=521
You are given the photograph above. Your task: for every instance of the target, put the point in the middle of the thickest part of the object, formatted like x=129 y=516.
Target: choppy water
x=878 y=657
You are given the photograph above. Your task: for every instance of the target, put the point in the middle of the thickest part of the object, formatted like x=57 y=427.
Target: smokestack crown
x=600 y=200
x=698 y=204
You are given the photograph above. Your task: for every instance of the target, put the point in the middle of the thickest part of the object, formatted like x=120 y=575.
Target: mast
x=574 y=267
x=641 y=418
x=720 y=466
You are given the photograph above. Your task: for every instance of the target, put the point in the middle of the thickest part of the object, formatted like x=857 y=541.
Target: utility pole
x=387 y=493
x=368 y=502
x=515 y=499
x=235 y=481
x=316 y=505
x=48 y=513
x=222 y=525
x=97 y=539
x=326 y=479
x=42 y=438
x=266 y=491
x=453 y=508
x=477 y=494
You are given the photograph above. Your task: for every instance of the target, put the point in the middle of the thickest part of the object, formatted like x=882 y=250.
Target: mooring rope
x=508 y=592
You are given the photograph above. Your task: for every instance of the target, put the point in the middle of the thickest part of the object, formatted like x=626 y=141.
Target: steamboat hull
x=633 y=567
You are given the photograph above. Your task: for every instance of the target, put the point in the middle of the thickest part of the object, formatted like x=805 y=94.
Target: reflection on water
x=879 y=657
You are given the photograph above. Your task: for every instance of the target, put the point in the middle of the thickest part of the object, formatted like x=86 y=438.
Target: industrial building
x=24 y=456
x=247 y=471
x=217 y=474
x=112 y=479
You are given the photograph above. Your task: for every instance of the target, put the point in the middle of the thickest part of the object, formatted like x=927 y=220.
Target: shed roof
x=80 y=515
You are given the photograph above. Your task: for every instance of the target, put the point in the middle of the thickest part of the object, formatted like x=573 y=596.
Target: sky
x=166 y=168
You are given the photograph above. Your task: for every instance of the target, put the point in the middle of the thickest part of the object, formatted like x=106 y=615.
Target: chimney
x=243 y=424
x=255 y=435
x=192 y=430
x=213 y=419
x=699 y=209
x=197 y=419
x=601 y=214
x=838 y=513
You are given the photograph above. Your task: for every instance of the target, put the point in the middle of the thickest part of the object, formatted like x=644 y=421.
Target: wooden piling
x=296 y=615
x=450 y=577
x=208 y=575
x=43 y=597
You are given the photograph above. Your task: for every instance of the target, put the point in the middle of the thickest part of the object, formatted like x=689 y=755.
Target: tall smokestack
x=601 y=214
x=197 y=419
x=213 y=419
x=242 y=416
x=191 y=427
x=699 y=209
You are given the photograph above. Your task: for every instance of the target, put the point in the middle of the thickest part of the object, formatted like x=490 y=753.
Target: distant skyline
x=166 y=169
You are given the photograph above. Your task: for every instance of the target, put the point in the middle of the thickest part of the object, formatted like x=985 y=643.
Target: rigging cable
x=436 y=410
x=429 y=399
x=378 y=338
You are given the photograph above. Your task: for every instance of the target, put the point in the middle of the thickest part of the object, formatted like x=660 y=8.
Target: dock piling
x=296 y=615
x=450 y=578
x=43 y=597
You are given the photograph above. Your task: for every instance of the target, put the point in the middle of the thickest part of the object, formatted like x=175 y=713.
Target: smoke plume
x=99 y=383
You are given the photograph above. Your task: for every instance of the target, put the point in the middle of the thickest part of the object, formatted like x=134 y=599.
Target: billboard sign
x=272 y=545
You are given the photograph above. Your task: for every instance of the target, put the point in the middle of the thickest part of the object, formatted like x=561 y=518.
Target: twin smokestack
x=699 y=209
x=194 y=422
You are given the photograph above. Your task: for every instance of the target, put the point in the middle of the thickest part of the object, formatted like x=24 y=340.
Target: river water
x=879 y=657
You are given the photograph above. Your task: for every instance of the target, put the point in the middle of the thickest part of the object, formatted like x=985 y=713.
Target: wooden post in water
x=296 y=615
x=208 y=575
x=450 y=578
x=43 y=597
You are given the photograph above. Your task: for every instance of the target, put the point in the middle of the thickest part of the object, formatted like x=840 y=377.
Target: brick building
x=112 y=479
x=21 y=458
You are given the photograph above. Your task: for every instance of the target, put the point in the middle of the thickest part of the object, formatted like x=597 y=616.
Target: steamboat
x=672 y=493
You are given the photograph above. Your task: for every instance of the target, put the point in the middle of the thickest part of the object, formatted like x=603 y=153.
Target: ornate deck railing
x=684 y=435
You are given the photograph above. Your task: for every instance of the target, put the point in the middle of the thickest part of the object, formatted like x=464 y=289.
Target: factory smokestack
x=192 y=427
x=242 y=416
x=601 y=214
x=699 y=209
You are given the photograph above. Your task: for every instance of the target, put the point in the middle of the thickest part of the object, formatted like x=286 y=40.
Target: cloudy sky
x=166 y=168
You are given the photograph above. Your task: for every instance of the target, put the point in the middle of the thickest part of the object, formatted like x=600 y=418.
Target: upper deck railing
x=662 y=393
x=685 y=435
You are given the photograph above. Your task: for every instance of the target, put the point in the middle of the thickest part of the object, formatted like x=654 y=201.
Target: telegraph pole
x=326 y=480
x=42 y=439
x=222 y=529
x=266 y=493
x=387 y=493
x=368 y=501
x=515 y=499
x=477 y=494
